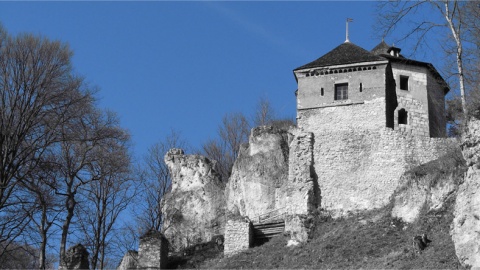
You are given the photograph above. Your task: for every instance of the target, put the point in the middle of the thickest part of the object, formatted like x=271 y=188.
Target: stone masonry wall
x=153 y=251
x=303 y=193
x=369 y=115
x=360 y=169
x=417 y=123
x=238 y=236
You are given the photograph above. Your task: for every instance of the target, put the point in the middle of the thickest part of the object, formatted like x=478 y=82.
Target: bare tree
x=44 y=207
x=84 y=137
x=232 y=133
x=108 y=196
x=37 y=91
x=264 y=113
x=157 y=182
x=453 y=26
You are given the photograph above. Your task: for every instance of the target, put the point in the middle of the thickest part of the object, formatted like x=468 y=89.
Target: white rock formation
x=466 y=224
x=259 y=175
x=195 y=208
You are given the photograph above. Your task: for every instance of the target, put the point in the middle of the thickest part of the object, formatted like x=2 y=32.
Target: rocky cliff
x=428 y=186
x=195 y=208
x=466 y=224
x=260 y=173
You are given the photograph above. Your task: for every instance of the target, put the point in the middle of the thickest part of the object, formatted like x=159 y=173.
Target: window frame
x=343 y=95
x=404 y=82
x=402 y=117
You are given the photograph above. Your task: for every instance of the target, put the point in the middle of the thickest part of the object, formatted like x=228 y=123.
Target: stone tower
x=352 y=88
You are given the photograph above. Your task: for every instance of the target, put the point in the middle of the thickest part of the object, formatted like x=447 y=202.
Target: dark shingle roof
x=346 y=53
x=381 y=48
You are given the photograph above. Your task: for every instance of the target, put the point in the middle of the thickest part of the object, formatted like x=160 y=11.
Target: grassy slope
x=371 y=240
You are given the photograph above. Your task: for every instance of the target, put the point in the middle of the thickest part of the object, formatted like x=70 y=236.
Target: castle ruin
x=363 y=119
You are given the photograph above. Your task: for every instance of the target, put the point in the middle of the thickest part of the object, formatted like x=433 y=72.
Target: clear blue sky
x=183 y=65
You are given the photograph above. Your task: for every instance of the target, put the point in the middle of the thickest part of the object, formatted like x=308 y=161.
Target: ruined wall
x=129 y=261
x=466 y=224
x=195 y=208
x=360 y=169
x=76 y=257
x=152 y=251
x=238 y=236
x=303 y=193
x=260 y=173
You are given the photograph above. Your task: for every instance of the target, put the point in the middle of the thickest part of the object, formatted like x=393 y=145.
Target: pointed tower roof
x=346 y=53
x=381 y=48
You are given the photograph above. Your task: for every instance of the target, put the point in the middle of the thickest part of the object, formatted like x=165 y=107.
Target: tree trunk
x=70 y=206
x=459 y=55
x=43 y=232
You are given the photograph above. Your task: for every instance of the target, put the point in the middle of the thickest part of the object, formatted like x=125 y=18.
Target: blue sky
x=183 y=65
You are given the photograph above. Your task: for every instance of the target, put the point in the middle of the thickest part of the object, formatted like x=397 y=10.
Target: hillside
x=370 y=240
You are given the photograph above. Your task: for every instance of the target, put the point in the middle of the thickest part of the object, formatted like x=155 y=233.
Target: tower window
x=403 y=82
x=361 y=87
x=321 y=91
x=341 y=91
x=402 y=117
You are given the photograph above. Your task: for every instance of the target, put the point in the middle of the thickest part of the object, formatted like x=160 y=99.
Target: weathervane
x=348 y=20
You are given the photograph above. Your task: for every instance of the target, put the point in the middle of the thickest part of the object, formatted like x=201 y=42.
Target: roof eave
x=300 y=69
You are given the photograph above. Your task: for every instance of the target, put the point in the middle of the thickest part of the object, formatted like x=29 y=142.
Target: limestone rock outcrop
x=466 y=224
x=260 y=173
x=195 y=208
x=428 y=186
x=275 y=172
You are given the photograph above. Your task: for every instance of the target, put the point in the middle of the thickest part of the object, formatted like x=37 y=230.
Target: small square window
x=403 y=82
x=341 y=91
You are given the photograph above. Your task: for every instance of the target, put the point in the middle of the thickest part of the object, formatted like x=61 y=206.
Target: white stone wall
x=368 y=115
x=371 y=76
x=152 y=251
x=302 y=198
x=238 y=236
x=360 y=169
x=417 y=123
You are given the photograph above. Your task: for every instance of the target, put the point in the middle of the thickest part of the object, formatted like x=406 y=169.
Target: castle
x=373 y=114
x=350 y=87
x=364 y=118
